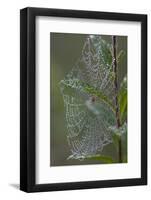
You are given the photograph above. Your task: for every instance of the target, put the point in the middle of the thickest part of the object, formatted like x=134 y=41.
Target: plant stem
x=114 y=64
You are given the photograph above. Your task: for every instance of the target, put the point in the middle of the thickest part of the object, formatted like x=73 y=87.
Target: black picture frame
x=28 y=98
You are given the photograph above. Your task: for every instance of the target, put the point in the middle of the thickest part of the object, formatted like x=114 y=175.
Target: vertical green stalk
x=114 y=64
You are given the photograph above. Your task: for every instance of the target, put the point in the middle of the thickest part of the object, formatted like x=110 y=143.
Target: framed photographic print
x=83 y=99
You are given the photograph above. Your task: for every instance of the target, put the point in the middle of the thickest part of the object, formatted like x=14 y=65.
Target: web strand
x=87 y=116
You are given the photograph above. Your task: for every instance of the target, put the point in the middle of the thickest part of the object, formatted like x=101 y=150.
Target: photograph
x=83 y=119
x=88 y=99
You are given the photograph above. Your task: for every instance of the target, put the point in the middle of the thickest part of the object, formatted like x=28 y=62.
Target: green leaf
x=119 y=131
x=120 y=55
x=94 y=92
x=102 y=158
x=122 y=99
x=84 y=87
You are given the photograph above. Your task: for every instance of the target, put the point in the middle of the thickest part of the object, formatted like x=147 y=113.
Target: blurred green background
x=65 y=50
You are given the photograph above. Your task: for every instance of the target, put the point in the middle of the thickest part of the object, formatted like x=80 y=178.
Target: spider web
x=85 y=89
